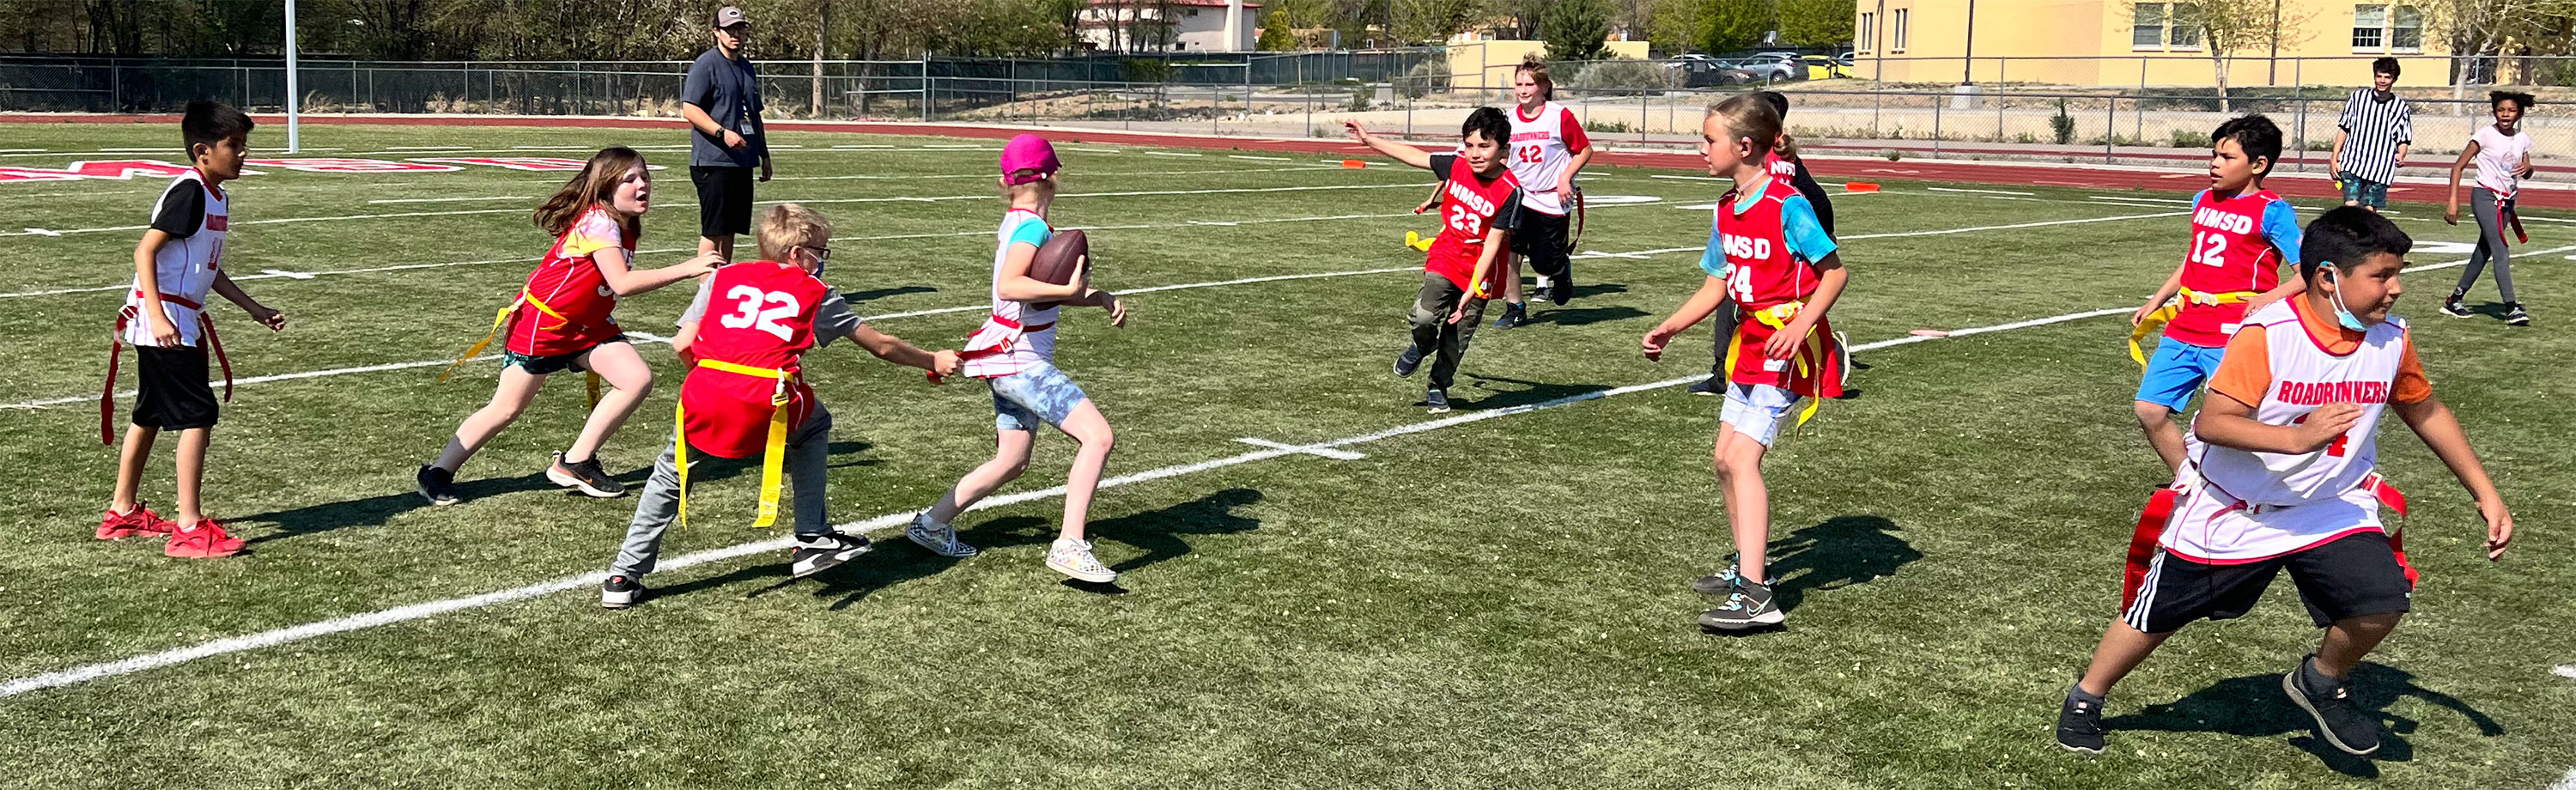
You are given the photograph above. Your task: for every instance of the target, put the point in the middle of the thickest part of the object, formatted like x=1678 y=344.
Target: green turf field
x=1492 y=598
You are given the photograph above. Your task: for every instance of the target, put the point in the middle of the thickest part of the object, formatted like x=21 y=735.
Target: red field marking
x=1982 y=172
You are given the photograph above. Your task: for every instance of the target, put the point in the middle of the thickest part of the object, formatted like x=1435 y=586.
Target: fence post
x=1641 y=116
x=2110 y=122
x=925 y=86
x=1936 y=126
x=115 y=86
x=1247 y=92
x=1309 y=91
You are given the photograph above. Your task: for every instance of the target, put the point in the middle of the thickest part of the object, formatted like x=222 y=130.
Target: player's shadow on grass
x=1579 y=316
x=376 y=511
x=1841 y=552
x=880 y=293
x=1517 y=392
x=2254 y=706
x=896 y=560
x=2495 y=310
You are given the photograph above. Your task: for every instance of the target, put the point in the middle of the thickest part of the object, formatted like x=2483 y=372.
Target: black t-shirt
x=1815 y=192
x=1507 y=215
x=182 y=209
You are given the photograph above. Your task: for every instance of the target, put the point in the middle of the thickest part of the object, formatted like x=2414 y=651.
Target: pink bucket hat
x=1028 y=152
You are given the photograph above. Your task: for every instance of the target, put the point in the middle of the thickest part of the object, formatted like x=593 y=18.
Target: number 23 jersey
x=1469 y=208
x=759 y=314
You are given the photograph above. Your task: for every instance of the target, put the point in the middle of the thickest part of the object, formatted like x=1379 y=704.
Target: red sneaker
x=140 y=520
x=207 y=541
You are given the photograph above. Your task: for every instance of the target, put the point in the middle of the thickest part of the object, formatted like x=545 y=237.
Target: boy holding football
x=2282 y=475
x=746 y=395
x=1479 y=206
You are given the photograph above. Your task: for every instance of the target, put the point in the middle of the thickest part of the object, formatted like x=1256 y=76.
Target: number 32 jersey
x=759 y=314
x=1470 y=207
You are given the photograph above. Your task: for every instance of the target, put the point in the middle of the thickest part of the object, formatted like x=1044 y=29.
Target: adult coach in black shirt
x=721 y=100
x=1724 y=320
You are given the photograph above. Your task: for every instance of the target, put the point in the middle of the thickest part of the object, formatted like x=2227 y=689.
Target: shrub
x=2189 y=139
x=1891 y=154
x=2063 y=124
x=1425 y=78
x=1608 y=127
x=1359 y=99
x=1620 y=76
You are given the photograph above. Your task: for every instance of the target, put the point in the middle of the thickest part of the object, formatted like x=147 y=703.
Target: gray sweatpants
x=808 y=452
x=2491 y=246
x=1432 y=332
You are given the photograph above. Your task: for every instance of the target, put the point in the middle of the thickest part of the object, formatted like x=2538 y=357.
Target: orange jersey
x=760 y=315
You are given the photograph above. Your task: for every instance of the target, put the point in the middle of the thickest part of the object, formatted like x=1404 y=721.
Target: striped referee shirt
x=2373 y=130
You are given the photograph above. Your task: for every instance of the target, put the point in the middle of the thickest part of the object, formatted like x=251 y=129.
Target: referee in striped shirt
x=2372 y=137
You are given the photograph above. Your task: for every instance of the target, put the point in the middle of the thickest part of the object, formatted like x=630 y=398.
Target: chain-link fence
x=2023 y=108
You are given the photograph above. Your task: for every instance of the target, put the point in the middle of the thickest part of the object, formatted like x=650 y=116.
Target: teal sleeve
x=1713 y=259
x=1033 y=232
x=1805 y=235
x=2281 y=226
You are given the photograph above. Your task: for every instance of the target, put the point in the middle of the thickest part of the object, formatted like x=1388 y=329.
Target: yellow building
x=2120 y=43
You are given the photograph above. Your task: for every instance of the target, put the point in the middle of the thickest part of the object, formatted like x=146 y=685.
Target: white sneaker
x=1073 y=558
x=940 y=539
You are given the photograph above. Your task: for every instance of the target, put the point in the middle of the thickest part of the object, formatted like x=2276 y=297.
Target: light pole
x=1968 y=63
x=294 y=96
x=2275 y=77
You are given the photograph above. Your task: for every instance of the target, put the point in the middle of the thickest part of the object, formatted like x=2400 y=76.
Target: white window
x=1898 y=45
x=2406 y=29
x=2147 y=29
x=2183 y=26
x=2370 y=28
x=1868 y=32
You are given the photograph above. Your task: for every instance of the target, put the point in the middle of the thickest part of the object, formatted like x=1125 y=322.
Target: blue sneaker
x=1409 y=361
x=1437 y=400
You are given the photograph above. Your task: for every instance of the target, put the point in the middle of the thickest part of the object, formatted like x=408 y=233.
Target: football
x=1059 y=260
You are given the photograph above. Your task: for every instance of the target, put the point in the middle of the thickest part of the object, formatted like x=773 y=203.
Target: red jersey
x=566 y=304
x=1769 y=282
x=1469 y=208
x=2235 y=253
x=760 y=315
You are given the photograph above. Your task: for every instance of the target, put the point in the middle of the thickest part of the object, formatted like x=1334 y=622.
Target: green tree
x=1575 y=30
x=1816 y=23
x=1738 y=24
x=1275 y=35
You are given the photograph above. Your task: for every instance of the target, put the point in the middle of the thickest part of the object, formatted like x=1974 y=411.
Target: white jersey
x=1543 y=145
x=187 y=263
x=2253 y=505
x=1005 y=344
x=2498 y=156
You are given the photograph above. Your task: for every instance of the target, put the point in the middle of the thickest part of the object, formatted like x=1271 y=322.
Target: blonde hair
x=1537 y=69
x=1014 y=191
x=595 y=185
x=1749 y=117
x=788 y=225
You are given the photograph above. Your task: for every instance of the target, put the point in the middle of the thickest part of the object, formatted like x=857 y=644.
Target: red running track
x=1973 y=172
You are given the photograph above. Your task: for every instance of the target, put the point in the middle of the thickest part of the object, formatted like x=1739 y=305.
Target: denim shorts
x=1038 y=394
x=550 y=365
x=1757 y=410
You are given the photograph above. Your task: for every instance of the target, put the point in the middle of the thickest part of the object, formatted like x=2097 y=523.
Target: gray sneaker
x=1723 y=581
x=1749 y=606
x=620 y=592
x=940 y=539
x=2328 y=701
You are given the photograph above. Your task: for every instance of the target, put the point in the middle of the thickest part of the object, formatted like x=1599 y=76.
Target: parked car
x=1844 y=60
x=1774 y=67
x=1712 y=72
x=1820 y=67
x=1687 y=59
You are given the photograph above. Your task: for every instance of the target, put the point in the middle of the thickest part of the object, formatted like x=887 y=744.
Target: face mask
x=2343 y=315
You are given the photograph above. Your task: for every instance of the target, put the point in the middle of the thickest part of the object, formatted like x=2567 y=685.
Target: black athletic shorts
x=172 y=393
x=1541 y=238
x=2348 y=577
x=724 y=200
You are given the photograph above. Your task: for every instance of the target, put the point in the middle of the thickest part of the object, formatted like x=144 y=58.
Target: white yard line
x=451 y=199
x=266 y=639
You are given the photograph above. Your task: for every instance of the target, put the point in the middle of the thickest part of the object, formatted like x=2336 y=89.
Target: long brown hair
x=595 y=185
x=1537 y=70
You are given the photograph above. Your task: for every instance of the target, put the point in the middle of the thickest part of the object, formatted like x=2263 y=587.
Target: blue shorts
x=2363 y=192
x=2176 y=372
x=1038 y=394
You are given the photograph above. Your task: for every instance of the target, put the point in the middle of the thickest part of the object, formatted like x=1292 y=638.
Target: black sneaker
x=2328 y=701
x=1749 y=606
x=1513 y=315
x=1712 y=386
x=437 y=485
x=1561 y=288
x=1437 y=400
x=620 y=592
x=818 y=553
x=2451 y=307
x=2514 y=316
x=2079 y=723
x=1409 y=361
x=585 y=477
x=1722 y=582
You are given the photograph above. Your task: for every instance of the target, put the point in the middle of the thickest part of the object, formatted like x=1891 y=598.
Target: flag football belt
x=998 y=349
x=2151 y=525
x=1577 y=237
x=591 y=378
x=1777 y=317
x=2162 y=315
x=116 y=349
x=773 y=457
x=2508 y=216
